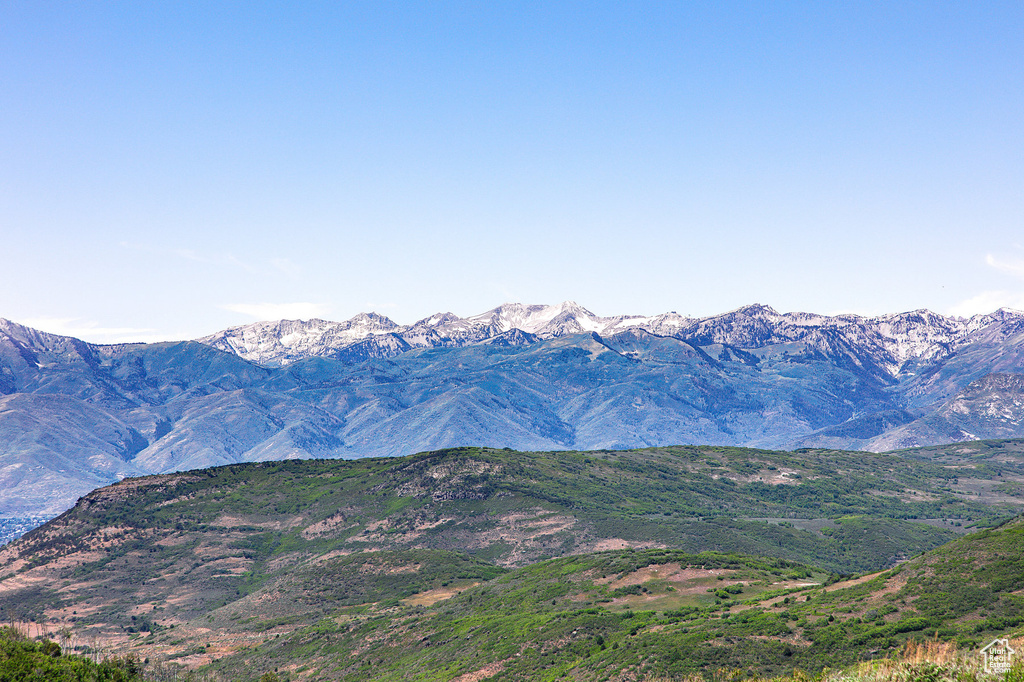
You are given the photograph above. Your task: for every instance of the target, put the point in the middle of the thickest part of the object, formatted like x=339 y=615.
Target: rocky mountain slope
x=75 y=415
x=449 y=562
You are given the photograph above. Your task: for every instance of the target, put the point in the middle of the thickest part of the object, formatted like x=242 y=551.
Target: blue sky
x=171 y=169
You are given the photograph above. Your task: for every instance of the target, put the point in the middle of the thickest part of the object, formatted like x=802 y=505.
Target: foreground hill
x=657 y=614
x=204 y=564
x=474 y=562
x=74 y=416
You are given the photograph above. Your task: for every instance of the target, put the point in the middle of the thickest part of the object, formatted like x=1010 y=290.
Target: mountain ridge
x=751 y=377
x=914 y=334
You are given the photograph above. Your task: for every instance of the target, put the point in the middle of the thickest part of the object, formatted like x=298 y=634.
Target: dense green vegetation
x=23 y=660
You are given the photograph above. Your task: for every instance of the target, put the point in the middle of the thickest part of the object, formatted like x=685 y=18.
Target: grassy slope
x=236 y=556
x=968 y=590
x=582 y=614
x=665 y=613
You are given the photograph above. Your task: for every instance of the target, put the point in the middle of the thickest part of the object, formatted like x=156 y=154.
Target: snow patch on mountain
x=889 y=342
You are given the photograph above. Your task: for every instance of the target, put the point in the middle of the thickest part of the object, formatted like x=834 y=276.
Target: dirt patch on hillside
x=462 y=468
x=523 y=531
x=335 y=523
x=893 y=585
x=767 y=477
x=483 y=673
x=778 y=477
x=850 y=583
x=229 y=521
x=431 y=597
x=672 y=572
x=24 y=581
x=383 y=531
x=619 y=543
x=526 y=533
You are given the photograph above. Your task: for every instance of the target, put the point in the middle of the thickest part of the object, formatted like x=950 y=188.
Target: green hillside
x=586 y=615
x=663 y=613
x=969 y=591
x=461 y=559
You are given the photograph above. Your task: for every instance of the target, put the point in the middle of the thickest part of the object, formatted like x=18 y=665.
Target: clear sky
x=170 y=169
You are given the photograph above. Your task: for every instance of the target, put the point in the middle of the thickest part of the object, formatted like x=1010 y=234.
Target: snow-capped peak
x=891 y=340
x=533 y=319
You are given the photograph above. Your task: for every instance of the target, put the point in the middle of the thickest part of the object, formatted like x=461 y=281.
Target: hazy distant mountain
x=74 y=415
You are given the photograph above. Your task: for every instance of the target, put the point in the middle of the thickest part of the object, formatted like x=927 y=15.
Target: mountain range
x=75 y=415
x=892 y=340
